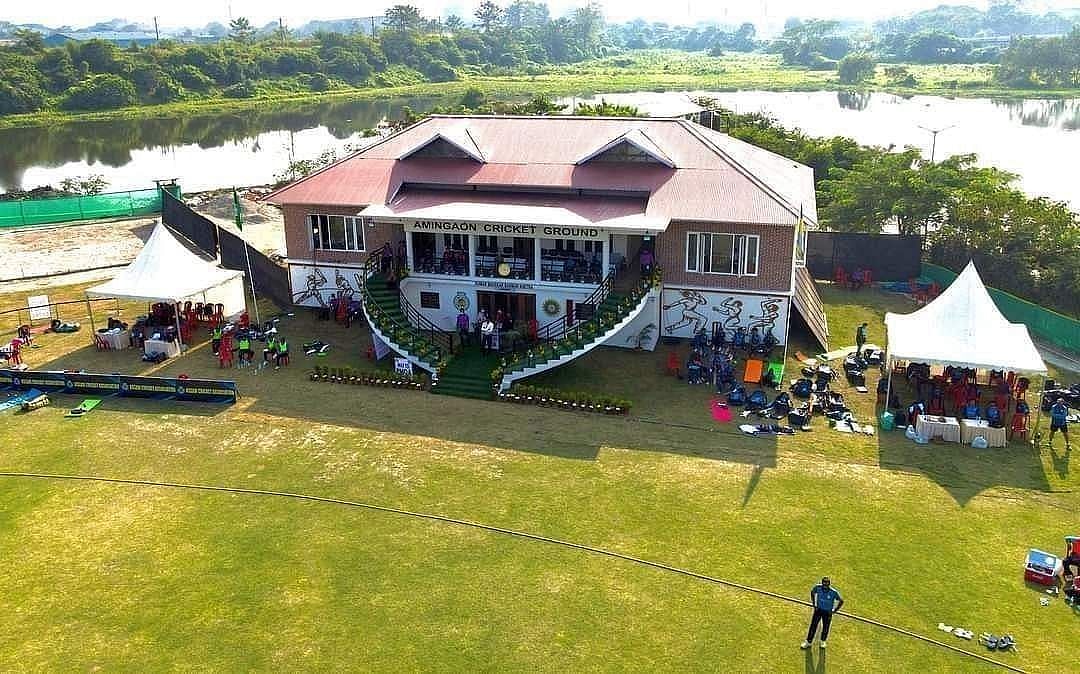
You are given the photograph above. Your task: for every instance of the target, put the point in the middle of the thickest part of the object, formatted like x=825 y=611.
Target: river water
x=1037 y=139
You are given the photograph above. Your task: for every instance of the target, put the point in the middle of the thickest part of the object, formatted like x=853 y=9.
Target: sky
x=79 y=13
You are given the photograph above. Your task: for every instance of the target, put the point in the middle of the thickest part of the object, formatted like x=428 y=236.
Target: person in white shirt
x=487 y=332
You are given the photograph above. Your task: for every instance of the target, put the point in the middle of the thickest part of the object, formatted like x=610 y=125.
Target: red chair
x=245 y=320
x=101 y=343
x=14 y=357
x=1019 y=425
x=673 y=364
x=840 y=277
x=867 y=277
x=937 y=406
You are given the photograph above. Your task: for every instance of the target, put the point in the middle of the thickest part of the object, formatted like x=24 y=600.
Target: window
x=336 y=232
x=456 y=241
x=734 y=254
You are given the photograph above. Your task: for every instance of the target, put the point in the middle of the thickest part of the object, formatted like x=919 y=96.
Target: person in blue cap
x=1059 y=421
x=827 y=601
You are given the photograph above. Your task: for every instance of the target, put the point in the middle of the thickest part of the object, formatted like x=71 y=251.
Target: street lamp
x=933 y=141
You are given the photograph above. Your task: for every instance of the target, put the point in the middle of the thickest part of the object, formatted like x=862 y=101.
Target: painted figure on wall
x=345 y=288
x=731 y=309
x=313 y=288
x=770 y=311
x=690 y=301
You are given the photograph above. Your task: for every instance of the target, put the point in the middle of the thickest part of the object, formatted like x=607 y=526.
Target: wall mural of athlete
x=770 y=311
x=345 y=288
x=313 y=288
x=690 y=302
x=731 y=310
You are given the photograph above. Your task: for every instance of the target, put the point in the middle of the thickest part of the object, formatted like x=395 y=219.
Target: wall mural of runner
x=687 y=311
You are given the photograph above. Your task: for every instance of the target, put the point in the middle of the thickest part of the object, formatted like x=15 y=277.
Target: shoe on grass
x=822 y=644
x=805 y=645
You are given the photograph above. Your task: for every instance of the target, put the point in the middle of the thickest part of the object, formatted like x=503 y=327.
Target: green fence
x=1044 y=323
x=68 y=209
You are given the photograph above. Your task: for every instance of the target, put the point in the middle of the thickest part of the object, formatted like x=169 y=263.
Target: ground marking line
x=511 y=532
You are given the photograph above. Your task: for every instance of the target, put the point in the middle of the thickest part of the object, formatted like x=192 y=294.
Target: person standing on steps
x=827 y=601
x=463 y=327
x=860 y=339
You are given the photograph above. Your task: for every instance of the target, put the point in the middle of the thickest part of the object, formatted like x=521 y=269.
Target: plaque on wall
x=429 y=300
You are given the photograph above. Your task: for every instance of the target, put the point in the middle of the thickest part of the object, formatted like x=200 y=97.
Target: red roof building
x=529 y=214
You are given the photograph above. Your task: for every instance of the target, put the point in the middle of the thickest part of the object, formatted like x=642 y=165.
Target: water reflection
x=114 y=144
x=853 y=100
x=1062 y=113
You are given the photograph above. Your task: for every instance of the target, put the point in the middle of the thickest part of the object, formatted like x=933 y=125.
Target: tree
x=811 y=43
x=100 y=92
x=605 y=109
x=402 y=18
x=588 y=24
x=85 y=185
x=28 y=41
x=454 y=23
x=526 y=14
x=489 y=16
x=241 y=30
x=856 y=68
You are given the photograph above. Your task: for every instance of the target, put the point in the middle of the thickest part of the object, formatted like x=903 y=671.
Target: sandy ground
x=38 y=251
x=63 y=254
x=264 y=226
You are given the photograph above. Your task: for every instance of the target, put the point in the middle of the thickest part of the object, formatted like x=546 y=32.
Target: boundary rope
x=517 y=534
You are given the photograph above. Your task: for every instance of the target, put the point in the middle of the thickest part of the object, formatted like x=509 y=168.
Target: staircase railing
x=583 y=332
x=417 y=333
x=558 y=328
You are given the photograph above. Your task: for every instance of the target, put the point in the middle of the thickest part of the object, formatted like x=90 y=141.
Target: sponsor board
x=162 y=388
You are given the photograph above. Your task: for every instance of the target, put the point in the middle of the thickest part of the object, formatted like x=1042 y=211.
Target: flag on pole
x=238 y=212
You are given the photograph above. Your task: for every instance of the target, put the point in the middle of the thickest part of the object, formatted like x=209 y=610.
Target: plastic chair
x=14 y=357
x=100 y=342
x=1019 y=425
x=840 y=277
x=282 y=359
x=867 y=277
x=225 y=352
x=673 y=364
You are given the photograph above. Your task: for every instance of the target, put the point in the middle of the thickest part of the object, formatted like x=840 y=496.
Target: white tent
x=963 y=327
x=166 y=271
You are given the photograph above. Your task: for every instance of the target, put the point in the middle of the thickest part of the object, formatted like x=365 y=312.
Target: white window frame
x=354 y=232
x=699 y=263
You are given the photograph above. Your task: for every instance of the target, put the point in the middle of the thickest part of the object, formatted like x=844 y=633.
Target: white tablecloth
x=116 y=340
x=170 y=349
x=946 y=428
x=970 y=428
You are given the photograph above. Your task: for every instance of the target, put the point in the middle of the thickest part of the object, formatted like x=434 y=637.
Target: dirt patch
x=264 y=224
x=41 y=251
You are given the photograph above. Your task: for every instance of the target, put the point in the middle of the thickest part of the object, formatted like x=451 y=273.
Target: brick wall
x=774 y=257
x=298 y=234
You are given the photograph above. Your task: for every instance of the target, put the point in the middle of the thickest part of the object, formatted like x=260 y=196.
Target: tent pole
x=888 y=386
x=90 y=312
x=251 y=280
x=1038 y=413
x=179 y=334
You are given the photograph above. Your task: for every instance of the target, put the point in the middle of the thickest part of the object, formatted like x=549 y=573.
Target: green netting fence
x=69 y=209
x=1048 y=325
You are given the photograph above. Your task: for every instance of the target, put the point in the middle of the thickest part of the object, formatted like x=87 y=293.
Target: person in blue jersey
x=826 y=600
x=1059 y=421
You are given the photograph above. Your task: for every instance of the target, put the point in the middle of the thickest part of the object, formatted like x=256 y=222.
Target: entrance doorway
x=522 y=306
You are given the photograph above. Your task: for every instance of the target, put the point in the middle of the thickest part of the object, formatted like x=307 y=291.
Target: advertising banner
x=160 y=388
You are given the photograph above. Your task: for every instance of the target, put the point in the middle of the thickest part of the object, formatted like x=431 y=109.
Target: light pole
x=933 y=141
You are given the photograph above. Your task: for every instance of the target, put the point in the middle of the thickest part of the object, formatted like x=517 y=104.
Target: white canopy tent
x=166 y=271
x=961 y=327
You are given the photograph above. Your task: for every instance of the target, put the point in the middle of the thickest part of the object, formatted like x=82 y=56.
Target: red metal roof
x=716 y=178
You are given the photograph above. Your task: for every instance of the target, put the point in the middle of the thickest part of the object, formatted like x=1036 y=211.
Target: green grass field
x=106 y=576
